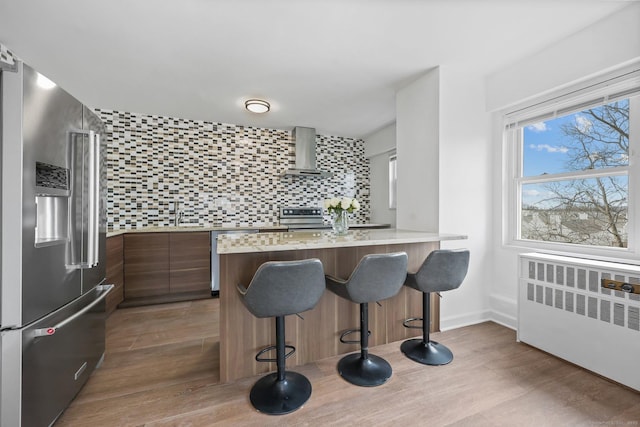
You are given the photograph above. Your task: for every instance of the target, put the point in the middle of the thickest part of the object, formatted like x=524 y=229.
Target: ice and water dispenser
x=52 y=205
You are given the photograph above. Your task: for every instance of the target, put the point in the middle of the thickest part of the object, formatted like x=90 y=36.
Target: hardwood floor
x=161 y=369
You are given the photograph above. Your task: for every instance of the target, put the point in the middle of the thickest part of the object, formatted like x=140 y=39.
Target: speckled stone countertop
x=300 y=240
x=186 y=227
x=190 y=228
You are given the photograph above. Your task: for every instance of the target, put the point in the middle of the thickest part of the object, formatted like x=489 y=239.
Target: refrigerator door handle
x=85 y=254
x=74 y=253
x=45 y=332
x=94 y=199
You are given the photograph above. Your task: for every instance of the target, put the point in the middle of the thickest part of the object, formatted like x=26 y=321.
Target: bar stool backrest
x=281 y=288
x=443 y=270
x=377 y=277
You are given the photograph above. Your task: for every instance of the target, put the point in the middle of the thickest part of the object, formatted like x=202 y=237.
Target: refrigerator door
x=50 y=118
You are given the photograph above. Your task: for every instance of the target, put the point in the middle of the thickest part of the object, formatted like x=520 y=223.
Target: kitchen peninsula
x=315 y=335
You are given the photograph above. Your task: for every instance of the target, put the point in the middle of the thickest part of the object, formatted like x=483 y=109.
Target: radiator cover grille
x=563 y=310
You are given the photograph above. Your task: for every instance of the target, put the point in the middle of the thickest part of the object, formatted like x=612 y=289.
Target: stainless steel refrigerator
x=52 y=289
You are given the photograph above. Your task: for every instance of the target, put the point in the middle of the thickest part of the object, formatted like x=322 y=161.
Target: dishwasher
x=215 y=258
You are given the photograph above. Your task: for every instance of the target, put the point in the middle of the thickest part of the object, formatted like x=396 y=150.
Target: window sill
x=615 y=255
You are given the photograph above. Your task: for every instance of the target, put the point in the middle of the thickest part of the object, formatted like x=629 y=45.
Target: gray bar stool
x=443 y=270
x=376 y=277
x=278 y=289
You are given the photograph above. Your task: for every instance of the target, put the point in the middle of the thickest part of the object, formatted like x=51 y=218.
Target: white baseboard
x=467 y=319
x=503 y=311
x=504 y=320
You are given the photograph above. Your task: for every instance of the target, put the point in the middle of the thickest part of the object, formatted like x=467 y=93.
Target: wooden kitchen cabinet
x=115 y=272
x=166 y=267
x=146 y=265
x=190 y=262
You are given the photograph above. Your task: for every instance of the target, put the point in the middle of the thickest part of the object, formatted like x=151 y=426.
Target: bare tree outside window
x=580 y=207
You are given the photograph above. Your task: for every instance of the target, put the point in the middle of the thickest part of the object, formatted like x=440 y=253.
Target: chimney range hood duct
x=305 y=140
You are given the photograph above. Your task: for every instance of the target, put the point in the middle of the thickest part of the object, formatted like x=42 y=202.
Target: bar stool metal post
x=376 y=277
x=442 y=270
x=278 y=289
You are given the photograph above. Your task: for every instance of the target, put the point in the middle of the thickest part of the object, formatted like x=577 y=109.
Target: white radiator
x=563 y=310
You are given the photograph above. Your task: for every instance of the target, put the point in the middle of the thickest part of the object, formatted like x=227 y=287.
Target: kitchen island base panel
x=316 y=336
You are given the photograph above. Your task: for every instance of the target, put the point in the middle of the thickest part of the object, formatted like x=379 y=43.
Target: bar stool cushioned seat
x=278 y=289
x=442 y=270
x=376 y=277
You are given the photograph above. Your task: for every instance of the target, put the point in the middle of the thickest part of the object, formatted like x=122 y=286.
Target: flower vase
x=340 y=222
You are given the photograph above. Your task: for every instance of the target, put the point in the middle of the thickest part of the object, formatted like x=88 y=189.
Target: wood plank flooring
x=161 y=369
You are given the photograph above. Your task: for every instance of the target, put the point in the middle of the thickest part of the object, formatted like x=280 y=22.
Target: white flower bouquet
x=339 y=204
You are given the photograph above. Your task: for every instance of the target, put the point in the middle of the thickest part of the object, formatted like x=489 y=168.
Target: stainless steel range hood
x=305 y=139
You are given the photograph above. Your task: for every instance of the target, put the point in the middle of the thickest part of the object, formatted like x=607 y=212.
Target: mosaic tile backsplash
x=219 y=174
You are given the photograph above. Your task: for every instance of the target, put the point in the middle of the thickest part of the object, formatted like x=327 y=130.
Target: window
x=393 y=178
x=572 y=185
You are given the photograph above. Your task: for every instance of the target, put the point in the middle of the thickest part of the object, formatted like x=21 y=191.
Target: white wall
x=417 y=138
x=381 y=141
x=606 y=45
x=465 y=190
x=378 y=147
x=444 y=176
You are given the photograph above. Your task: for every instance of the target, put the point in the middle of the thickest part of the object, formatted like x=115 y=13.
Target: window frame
x=393 y=180
x=605 y=89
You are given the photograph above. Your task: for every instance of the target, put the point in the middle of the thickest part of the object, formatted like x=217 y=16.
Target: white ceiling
x=330 y=64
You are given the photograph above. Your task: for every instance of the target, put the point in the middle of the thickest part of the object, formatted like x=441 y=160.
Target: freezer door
x=50 y=118
x=59 y=353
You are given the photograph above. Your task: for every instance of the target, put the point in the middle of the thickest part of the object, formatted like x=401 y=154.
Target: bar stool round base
x=270 y=396
x=431 y=353
x=369 y=372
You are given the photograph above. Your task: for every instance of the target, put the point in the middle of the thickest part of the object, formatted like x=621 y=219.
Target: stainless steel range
x=303 y=219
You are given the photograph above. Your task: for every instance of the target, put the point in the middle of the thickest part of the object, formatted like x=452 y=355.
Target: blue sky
x=544 y=151
x=544 y=148
x=547 y=150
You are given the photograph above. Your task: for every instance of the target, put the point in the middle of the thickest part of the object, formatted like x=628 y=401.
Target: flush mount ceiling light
x=257 y=105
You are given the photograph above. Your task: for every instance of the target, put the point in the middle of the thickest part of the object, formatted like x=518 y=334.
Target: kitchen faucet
x=178 y=214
